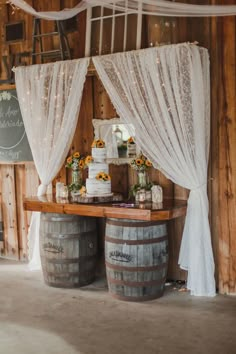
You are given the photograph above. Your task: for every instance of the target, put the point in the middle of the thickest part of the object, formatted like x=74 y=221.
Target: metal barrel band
x=133 y=224
x=70 y=260
x=136 y=284
x=76 y=235
x=66 y=274
x=134 y=269
x=138 y=298
x=136 y=242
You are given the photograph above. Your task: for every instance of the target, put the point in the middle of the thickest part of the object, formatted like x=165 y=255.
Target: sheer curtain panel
x=49 y=96
x=164 y=92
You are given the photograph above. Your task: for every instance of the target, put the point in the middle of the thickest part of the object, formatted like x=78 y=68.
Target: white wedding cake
x=98 y=183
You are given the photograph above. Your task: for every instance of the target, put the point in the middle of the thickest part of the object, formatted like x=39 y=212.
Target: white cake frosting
x=96 y=167
x=99 y=154
x=95 y=187
x=131 y=150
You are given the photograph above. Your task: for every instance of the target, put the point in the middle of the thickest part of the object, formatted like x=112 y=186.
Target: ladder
x=62 y=53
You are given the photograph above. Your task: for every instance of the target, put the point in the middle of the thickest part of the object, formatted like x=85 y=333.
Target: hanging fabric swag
x=164 y=92
x=49 y=96
x=145 y=7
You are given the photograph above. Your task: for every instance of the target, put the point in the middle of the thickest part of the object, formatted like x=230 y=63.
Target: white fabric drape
x=164 y=92
x=148 y=7
x=49 y=96
x=51 y=15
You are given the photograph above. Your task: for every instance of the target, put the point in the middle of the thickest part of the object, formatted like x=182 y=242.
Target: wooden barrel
x=68 y=249
x=136 y=255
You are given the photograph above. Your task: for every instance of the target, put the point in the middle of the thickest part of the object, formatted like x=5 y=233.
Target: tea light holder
x=157 y=194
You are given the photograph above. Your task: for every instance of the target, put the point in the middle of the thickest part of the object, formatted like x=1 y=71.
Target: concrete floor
x=38 y=319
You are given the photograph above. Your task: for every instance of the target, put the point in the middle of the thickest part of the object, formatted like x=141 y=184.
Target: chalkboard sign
x=14 y=144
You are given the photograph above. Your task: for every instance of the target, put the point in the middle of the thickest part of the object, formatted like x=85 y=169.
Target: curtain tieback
x=201 y=185
x=42 y=189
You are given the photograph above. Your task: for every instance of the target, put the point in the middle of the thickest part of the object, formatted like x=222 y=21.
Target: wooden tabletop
x=167 y=210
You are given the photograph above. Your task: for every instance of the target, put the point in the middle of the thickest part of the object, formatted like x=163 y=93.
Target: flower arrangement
x=140 y=163
x=99 y=143
x=75 y=161
x=102 y=176
x=78 y=162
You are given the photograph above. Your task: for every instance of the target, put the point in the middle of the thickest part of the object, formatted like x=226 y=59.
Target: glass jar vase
x=76 y=180
x=142 y=178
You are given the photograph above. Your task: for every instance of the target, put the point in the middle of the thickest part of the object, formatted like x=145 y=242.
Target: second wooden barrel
x=136 y=255
x=68 y=249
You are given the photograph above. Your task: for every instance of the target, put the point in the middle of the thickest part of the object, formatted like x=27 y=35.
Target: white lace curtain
x=49 y=96
x=164 y=92
x=148 y=7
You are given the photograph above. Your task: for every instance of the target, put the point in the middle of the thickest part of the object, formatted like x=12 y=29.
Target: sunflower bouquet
x=98 y=143
x=78 y=162
x=141 y=163
x=102 y=176
x=75 y=161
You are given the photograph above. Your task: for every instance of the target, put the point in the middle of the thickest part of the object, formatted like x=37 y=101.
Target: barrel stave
x=136 y=254
x=68 y=248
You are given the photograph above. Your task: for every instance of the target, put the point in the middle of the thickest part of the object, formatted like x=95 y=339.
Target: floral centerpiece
x=141 y=164
x=77 y=163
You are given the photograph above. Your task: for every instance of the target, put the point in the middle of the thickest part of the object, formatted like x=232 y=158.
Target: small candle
x=64 y=192
x=142 y=195
x=59 y=187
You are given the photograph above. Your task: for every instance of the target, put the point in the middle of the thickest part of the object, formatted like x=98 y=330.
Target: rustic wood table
x=169 y=209
x=136 y=244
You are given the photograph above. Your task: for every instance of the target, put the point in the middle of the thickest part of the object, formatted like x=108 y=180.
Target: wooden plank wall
x=218 y=35
x=226 y=120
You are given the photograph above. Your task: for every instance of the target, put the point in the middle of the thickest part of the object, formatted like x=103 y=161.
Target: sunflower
x=148 y=163
x=99 y=143
x=69 y=160
x=88 y=159
x=106 y=177
x=139 y=162
x=100 y=176
x=81 y=163
x=76 y=155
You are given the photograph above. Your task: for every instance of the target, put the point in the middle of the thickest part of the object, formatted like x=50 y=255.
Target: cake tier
x=97 y=188
x=96 y=167
x=99 y=154
x=131 y=150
